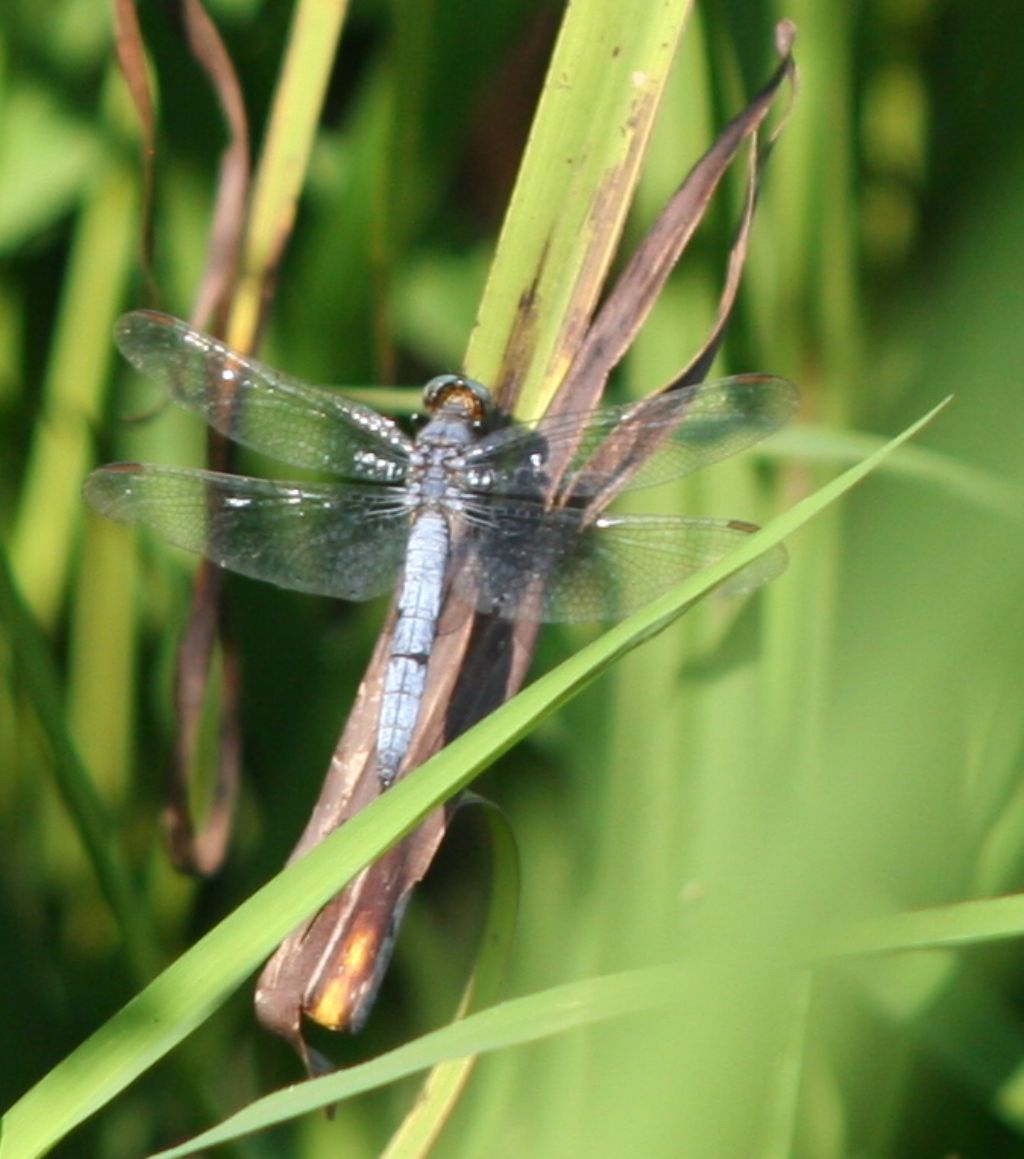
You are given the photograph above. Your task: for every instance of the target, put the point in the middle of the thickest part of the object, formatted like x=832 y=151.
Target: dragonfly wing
x=343 y=541
x=652 y=441
x=260 y=407
x=547 y=566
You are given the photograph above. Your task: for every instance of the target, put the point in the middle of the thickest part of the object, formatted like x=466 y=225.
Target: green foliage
x=759 y=795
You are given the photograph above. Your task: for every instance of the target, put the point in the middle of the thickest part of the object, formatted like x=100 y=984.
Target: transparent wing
x=260 y=407
x=344 y=541
x=523 y=562
x=660 y=438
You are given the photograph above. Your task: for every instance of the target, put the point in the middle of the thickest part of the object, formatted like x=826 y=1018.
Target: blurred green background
x=849 y=744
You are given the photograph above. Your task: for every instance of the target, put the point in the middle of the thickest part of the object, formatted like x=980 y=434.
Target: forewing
x=660 y=438
x=548 y=566
x=338 y=541
x=260 y=407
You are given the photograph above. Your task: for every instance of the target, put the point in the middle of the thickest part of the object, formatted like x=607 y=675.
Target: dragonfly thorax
x=436 y=472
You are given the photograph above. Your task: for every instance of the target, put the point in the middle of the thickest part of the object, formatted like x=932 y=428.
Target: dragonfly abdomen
x=419 y=603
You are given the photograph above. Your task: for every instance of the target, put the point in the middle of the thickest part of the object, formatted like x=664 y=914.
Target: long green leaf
x=298 y=106
x=511 y=1023
x=963 y=924
x=605 y=80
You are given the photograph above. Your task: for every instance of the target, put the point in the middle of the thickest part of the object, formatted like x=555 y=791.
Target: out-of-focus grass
x=848 y=747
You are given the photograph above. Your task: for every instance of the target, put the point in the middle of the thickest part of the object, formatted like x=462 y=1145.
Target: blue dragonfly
x=511 y=517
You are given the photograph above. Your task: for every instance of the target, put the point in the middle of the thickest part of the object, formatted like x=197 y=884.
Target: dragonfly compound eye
x=456 y=392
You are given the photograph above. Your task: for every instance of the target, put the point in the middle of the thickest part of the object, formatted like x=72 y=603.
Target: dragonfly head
x=465 y=397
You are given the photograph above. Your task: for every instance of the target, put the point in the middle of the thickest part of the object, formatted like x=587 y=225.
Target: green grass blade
x=962 y=924
x=298 y=105
x=604 y=83
x=50 y=506
x=511 y=1023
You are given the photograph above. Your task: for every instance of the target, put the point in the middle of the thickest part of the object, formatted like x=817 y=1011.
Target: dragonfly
x=511 y=517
